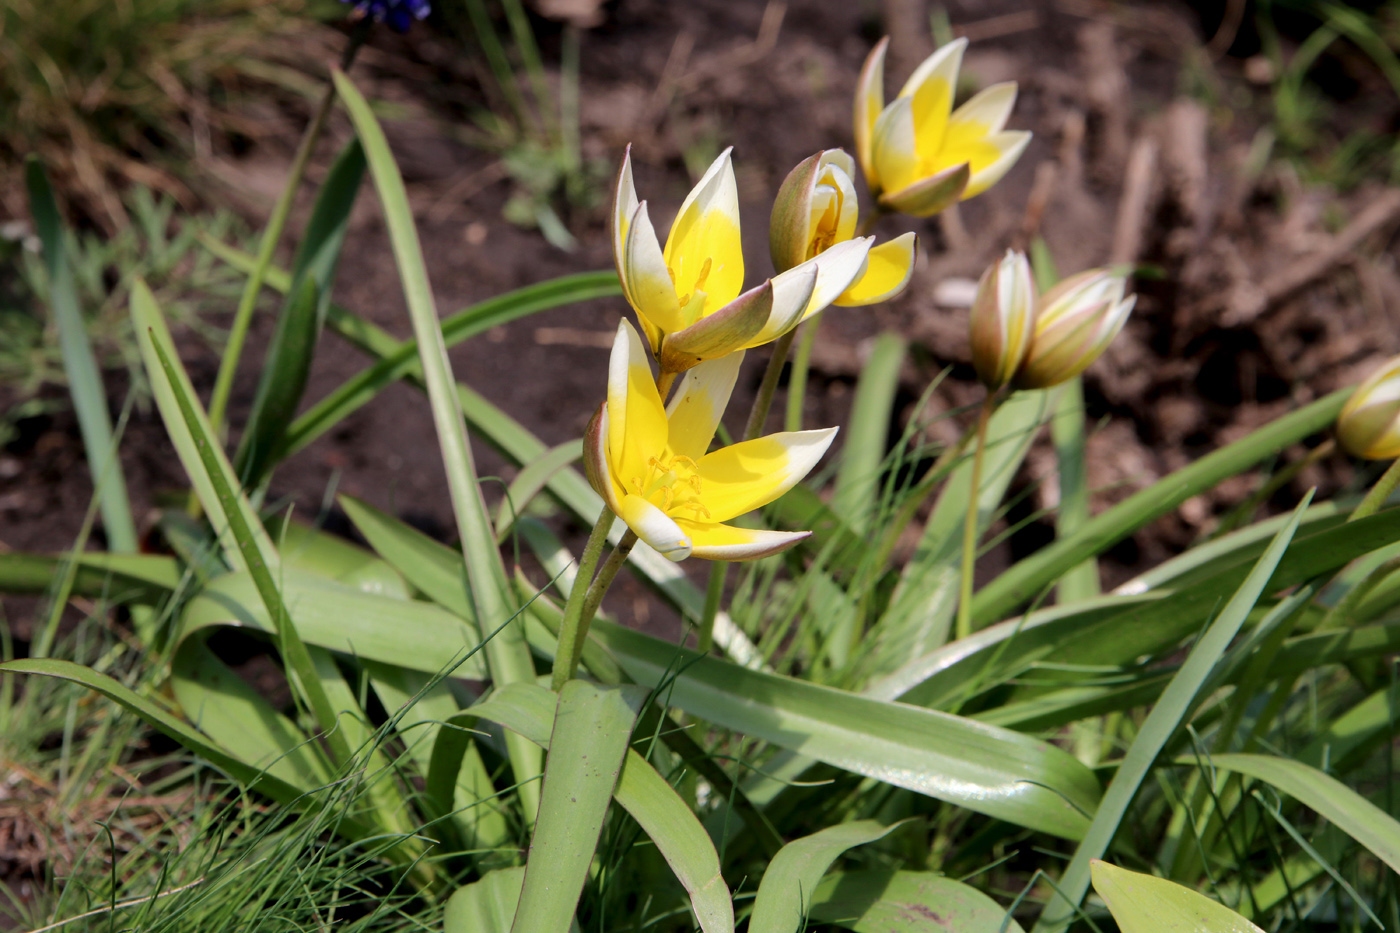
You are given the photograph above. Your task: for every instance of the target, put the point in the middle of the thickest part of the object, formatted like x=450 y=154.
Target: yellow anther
x=694 y=481
x=682 y=458
x=704 y=274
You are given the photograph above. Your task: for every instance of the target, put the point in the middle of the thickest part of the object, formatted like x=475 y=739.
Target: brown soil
x=1228 y=334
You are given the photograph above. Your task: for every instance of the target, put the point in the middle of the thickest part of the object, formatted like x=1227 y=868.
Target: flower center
x=672 y=484
x=828 y=217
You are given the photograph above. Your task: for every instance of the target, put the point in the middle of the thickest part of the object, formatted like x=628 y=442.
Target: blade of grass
x=1165 y=718
x=507 y=654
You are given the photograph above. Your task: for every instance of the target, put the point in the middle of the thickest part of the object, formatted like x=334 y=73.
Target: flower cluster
x=399 y=14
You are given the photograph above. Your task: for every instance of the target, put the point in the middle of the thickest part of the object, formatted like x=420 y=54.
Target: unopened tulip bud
x=816 y=210
x=1369 y=425
x=1074 y=323
x=1002 y=317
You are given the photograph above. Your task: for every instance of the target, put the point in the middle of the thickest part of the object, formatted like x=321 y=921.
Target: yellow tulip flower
x=652 y=466
x=1369 y=425
x=689 y=297
x=920 y=155
x=815 y=210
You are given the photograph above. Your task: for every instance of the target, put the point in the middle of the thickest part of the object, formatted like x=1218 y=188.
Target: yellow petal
x=654 y=527
x=624 y=206
x=837 y=268
x=699 y=403
x=704 y=251
x=987 y=109
x=1009 y=145
x=894 y=151
x=888 y=269
x=636 y=420
x=870 y=100
x=644 y=276
x=847 y=206
x=750 y=474
x=931 y=88
x=595 y=459
x=726 y=542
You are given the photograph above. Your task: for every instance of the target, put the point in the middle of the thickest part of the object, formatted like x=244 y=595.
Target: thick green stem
x=763 y=402
x=599 y=589
x=797 y=379
x=570 y=646
x=1379 y=493
x=272 y=233
x=969 y=555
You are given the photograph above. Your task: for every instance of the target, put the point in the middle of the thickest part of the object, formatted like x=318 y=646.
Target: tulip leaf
x=1067 y=431
x=507 y=655
x=531 y=479
x=592 y=727
x=80 y=366
x=993 y=771
x=1356 y=816
x=1023 y=580
x=289 y=354
x=484 y=906
x=1163 y=721
x=866 y=436
x=884 y=901
x=1147 y=904
x=786 y=893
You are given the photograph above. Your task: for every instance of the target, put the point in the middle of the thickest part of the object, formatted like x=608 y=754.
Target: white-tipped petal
x=894 y=147
x=645 y=280
x=988 y=109
x=943 y=64
x=726 y=542
x=624 y=206
x=699 y=404
x=837 y=269
x=792 y=291
x=636 y=418
x=751 y=474
x=870 y=101
x=1010 y=143
x=703 y=249
x=654 y=527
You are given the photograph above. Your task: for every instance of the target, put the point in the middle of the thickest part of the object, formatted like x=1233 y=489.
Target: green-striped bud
x=1075 y=321
x=1002 y=317
x=1369 y=425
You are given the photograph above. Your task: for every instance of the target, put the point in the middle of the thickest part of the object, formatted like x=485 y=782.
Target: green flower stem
x=969 y=557
x=594 y=597
x=797 y=379
x=272 y=233
x=570 y=648
x=763 y=402
x=714 y=592
x=1379 y=493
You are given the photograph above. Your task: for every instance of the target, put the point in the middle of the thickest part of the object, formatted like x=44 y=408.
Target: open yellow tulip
x=815 y=210
x=920 y=155
x=689 y=297
x=650 y=463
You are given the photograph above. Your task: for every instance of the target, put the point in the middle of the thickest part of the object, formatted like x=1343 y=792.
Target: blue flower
x=399 y=14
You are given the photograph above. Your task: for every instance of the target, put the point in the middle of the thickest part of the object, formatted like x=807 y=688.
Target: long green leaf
x=1356 y=816
x=883 y=901
x=484 y=906
x=993 y=771
x=245 y=774
x=641 y=791
x=288 y=361
x=1022 y=581
x=506 y=653
x=1162 y=723
x=858 y=477
x=1146 y=904
x=1067 y=430
x=785 y=894
x=592 y=727
x=80 y=366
